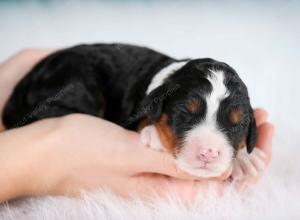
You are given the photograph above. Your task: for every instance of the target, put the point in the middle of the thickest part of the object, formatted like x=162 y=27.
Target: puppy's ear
x=153 y=103
x=252 y=134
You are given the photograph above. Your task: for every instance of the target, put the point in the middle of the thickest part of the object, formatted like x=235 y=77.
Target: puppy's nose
x=207 y=155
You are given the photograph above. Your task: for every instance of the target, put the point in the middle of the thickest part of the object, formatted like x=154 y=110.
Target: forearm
x=23 y=161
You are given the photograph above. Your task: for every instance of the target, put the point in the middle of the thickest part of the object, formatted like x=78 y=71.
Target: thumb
x=265 y=138
x=162 y=163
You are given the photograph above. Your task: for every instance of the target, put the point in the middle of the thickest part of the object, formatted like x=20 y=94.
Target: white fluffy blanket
x=261 y=40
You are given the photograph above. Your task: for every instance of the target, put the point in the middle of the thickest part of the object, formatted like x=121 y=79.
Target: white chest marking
x=163 y=74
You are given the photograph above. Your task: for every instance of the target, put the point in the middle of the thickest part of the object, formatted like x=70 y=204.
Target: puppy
x=198 y=110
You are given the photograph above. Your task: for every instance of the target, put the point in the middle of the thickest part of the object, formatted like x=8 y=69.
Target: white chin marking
x=201 y=172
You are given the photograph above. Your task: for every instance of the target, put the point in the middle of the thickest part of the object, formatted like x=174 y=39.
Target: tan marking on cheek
x=193 y=105
x=236 y=116
x=143 y=123
x=166 y=135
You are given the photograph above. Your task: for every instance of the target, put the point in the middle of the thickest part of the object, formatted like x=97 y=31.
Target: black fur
x=110 y=81
x=90 y=78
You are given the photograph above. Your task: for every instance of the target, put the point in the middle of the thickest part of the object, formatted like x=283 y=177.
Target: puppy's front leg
x=150 y=138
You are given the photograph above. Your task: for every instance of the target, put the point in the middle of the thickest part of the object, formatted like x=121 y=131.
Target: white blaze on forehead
x=207 y=133
x=219 y=92
x=163 y=74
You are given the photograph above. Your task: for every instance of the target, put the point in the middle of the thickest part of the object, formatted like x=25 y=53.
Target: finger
x=259 y=153
x=146 y=185
x=153 y=186
x=247 y=166
x=163 y=163
x=228 y=173
x=237 y=172
x=260 y=116
x=265 y=138
x=258 y=157
x=242 y=185
x=146 y=160
x=259 y=165
x=23 y=61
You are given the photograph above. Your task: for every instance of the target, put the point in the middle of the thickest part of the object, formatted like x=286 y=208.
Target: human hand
x=84 y=153
x=247 y=168
x=138 y=169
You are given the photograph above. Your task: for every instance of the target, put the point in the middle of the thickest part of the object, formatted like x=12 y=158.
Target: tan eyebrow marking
x=193 y=105
x=236 y=116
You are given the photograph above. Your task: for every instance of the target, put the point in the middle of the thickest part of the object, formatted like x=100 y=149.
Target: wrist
x=52 y=164
x=46 y=163
x=26 y=159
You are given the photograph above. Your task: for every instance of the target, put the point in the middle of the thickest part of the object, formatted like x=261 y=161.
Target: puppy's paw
x=247 y=168
x=150 y=138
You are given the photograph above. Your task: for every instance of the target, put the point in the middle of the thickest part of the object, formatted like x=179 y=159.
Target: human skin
x=62 y=156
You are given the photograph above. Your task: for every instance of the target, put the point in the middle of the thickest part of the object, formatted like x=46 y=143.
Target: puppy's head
x=203 y=116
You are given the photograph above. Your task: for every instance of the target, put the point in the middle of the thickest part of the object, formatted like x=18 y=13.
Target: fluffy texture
x=265 y=47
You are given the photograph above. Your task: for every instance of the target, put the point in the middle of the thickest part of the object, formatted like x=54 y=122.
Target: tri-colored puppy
x=198 y=110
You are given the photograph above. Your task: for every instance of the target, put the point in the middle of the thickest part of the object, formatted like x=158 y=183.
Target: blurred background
x=260 y=39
